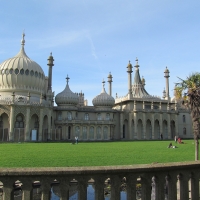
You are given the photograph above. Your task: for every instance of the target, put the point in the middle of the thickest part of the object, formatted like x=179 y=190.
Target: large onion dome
x=21 y=75
x=103 y=99
x=66 y=97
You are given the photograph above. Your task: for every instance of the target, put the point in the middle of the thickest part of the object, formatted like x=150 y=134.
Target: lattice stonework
x=45 y=112
x=22 y=110
x=35 y=110
x=5 y=109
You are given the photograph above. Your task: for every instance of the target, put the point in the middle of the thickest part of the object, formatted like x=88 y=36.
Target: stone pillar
x=169 y=126
x=129 y=126
x=82 y=189
x=146 y=188
x=26 y=188
x=12 y=121
x=159 y=187
x=40 y=125
x=171 y=185
x=129 y=71
x=45 y=187
x=194 y=187
x=183 y=186
x=50 y=64
x=95 y=132
x=27 y=129
x=64 y=189
x=115 y=188
x=166 y=72
x=49 y=125
x=121 y=125
x=131 y=182
x=8 y=188
x=144 y=126
x=152 y=125
x=110 y=84
x=176 y=124
x=99 y=188
x=161 y=124
x=135 y=125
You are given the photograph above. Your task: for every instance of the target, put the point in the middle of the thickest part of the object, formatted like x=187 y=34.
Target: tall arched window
x=69 y=115
x=184 y=119
x=98 y=116
x=105 y=133
x=36 y=124
x=91 y=133
x=19 y=123
x=184 y=131
x=84 y=133
x=107 y=116
x=86 y=116
x=98 y=133
x=59 y=116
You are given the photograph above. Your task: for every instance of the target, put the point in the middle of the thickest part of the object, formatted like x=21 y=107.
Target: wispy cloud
x=91 y=45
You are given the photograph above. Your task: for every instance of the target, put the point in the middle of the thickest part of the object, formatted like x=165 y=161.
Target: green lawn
x=93 y=153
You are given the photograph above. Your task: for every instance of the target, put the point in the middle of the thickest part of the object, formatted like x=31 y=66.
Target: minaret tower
x=166 y=72
x=129 y=70
x=50 y=64
x=110 y=84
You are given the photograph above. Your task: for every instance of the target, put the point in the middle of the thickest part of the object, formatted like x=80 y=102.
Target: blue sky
x=90 y=38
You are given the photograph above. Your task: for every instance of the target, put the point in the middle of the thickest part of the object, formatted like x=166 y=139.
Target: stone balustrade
x=171 y=181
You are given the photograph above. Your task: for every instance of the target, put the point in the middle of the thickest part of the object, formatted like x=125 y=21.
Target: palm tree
x=191 y=99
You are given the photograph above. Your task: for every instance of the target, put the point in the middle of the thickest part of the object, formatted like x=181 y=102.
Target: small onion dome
x=20 y=73
x=66 y=97
x=129 y=67
x=166 y=72
x=103 y=99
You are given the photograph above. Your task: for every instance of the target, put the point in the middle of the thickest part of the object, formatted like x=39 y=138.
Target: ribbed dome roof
x=66 y=97
x=21 y=74
x=103 y=99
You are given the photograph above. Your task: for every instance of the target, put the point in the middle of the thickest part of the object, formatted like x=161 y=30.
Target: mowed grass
x=93 y=153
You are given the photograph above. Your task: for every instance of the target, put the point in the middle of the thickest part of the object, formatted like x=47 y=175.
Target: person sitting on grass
x=171 y=146
x=180 y=141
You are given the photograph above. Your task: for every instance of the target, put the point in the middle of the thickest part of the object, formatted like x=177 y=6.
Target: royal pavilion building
x=28 y=112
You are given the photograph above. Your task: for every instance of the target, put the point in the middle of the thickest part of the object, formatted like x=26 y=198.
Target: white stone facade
x=27 y=111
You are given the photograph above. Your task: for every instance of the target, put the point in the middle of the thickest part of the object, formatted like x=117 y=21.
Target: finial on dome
x=23 y=40
x=67 y=79
x=136 y=64
x=103 y=83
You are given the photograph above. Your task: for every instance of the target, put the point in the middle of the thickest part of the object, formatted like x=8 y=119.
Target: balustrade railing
x=169 y=181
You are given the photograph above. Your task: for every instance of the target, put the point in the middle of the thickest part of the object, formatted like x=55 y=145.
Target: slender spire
x=103 y=88
x=136 y=64
x=67 y=79
x=23 y=40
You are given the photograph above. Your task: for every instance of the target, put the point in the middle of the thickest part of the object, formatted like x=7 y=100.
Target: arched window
x=19 y=123
x=69 y=115
x=36 y=124
x=91 y=133
x=108 y=116
x=84 y=133
x=98 y=116
x=105 y=133
x=98 y=133
x=86 y=116
x=184 y=119
x=59 y=116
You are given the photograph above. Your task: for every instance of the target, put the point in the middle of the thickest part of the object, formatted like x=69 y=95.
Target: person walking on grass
x=76 y=139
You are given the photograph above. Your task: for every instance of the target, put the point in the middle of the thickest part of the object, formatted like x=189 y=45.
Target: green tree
x=191 y=98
